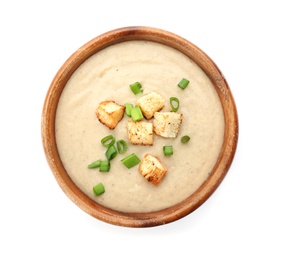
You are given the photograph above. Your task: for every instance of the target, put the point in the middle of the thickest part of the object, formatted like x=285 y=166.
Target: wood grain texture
x=220 y=169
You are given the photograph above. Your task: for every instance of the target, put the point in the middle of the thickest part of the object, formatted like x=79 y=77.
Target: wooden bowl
x=207 y=188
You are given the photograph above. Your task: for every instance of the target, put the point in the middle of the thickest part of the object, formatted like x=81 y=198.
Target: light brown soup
x=106 y=76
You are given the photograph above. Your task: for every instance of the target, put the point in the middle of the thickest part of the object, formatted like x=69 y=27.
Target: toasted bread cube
x=110 y=113
x=152 y=169
x=140 y=132
x=167 y=124
x=150 y=103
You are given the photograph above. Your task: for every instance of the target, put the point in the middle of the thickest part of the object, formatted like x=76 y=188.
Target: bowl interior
x=220 y=169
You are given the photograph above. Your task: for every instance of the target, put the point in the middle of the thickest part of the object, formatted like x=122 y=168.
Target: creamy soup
x=106 y=76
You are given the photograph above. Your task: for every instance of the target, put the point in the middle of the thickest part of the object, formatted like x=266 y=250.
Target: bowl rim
x=221 y=167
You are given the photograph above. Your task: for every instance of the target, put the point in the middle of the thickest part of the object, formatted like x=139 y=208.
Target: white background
x=250 y=214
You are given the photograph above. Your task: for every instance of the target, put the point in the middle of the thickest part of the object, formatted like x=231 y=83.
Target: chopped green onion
x=105 y=166
x=176 y=101
x=130 y=160
x=121 y=146
x=136 y=114
x=94 y=164
x=168 y=150
x=99 y=189
x=136 y=88
x=185 y=139
x=128 y=108
x=108 y=141
x=183 y=83
x=111 y=152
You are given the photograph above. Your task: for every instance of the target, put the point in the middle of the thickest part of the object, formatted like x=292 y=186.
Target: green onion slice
x=105 y=166
x=136 y=114
x=185 y=139
x=121 y=146
x=183 y=83
x=130 y=160
x=136 y=88
x=108 y=141
x=94 y=164
x=99 y=189
x=176 y=101
x=111 y=153
x=168 y=150
x=128 y=108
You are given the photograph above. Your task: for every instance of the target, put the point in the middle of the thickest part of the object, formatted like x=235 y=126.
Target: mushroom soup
x=107 y=75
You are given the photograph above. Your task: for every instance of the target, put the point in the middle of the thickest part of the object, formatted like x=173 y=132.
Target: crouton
x=140 y=132
x=110 y=113
x=152 y=169
x=167 y=124
x=150 y=103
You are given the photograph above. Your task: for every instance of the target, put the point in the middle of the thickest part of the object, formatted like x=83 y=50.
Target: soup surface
x=106 y=76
